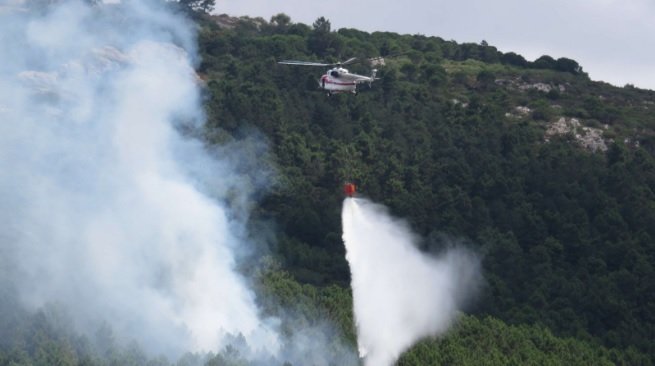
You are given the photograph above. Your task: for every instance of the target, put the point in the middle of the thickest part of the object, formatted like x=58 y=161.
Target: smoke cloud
x=105 y=205
x=400 y=294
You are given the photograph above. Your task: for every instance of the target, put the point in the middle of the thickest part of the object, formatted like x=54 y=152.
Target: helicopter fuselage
x=339 y=80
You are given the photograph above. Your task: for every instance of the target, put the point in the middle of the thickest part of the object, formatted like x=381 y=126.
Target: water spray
x=400 y=294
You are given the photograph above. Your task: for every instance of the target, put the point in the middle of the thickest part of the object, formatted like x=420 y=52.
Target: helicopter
x=338 y=79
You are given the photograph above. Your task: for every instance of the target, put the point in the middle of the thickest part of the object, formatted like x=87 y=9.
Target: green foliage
x=489 y=341
x=566 y=234
x=514 y=59
x=472 y=341
x=542 y=110
x=568 y=65
x=545 y=62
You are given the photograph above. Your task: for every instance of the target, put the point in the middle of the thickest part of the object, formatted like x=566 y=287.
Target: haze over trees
x=546 y=173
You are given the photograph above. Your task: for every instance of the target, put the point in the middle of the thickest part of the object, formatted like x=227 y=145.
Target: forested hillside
x=547 y=175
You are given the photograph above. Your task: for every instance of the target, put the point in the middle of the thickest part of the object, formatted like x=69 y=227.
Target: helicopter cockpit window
x=334 y=73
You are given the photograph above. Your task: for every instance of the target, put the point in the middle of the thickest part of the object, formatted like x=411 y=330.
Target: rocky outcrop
x=519 y=112
x=521 y=85
x=589 y=138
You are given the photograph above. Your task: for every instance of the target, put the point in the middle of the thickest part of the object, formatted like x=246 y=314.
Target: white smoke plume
x=400 y=295
x=104 y=204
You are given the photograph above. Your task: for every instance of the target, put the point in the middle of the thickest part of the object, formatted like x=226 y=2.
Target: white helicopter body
x=337 y=79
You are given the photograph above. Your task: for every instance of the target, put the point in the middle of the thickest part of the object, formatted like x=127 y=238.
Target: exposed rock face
x=524 y=86
x=519 y=112
x=522 y=110
x=562 y=126
x=588 y=137
x=542 y=87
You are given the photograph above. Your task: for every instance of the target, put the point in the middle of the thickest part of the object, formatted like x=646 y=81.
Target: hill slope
x=548 y=174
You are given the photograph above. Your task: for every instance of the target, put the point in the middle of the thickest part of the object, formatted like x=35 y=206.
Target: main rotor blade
x=349 y=61
x=302 y=63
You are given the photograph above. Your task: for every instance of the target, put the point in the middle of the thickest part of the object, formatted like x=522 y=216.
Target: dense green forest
x=548 y=175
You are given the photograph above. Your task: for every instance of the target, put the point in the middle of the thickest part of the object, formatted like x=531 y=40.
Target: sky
x=613 y=40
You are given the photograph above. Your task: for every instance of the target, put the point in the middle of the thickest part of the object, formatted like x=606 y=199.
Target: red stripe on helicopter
x=328 y=81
